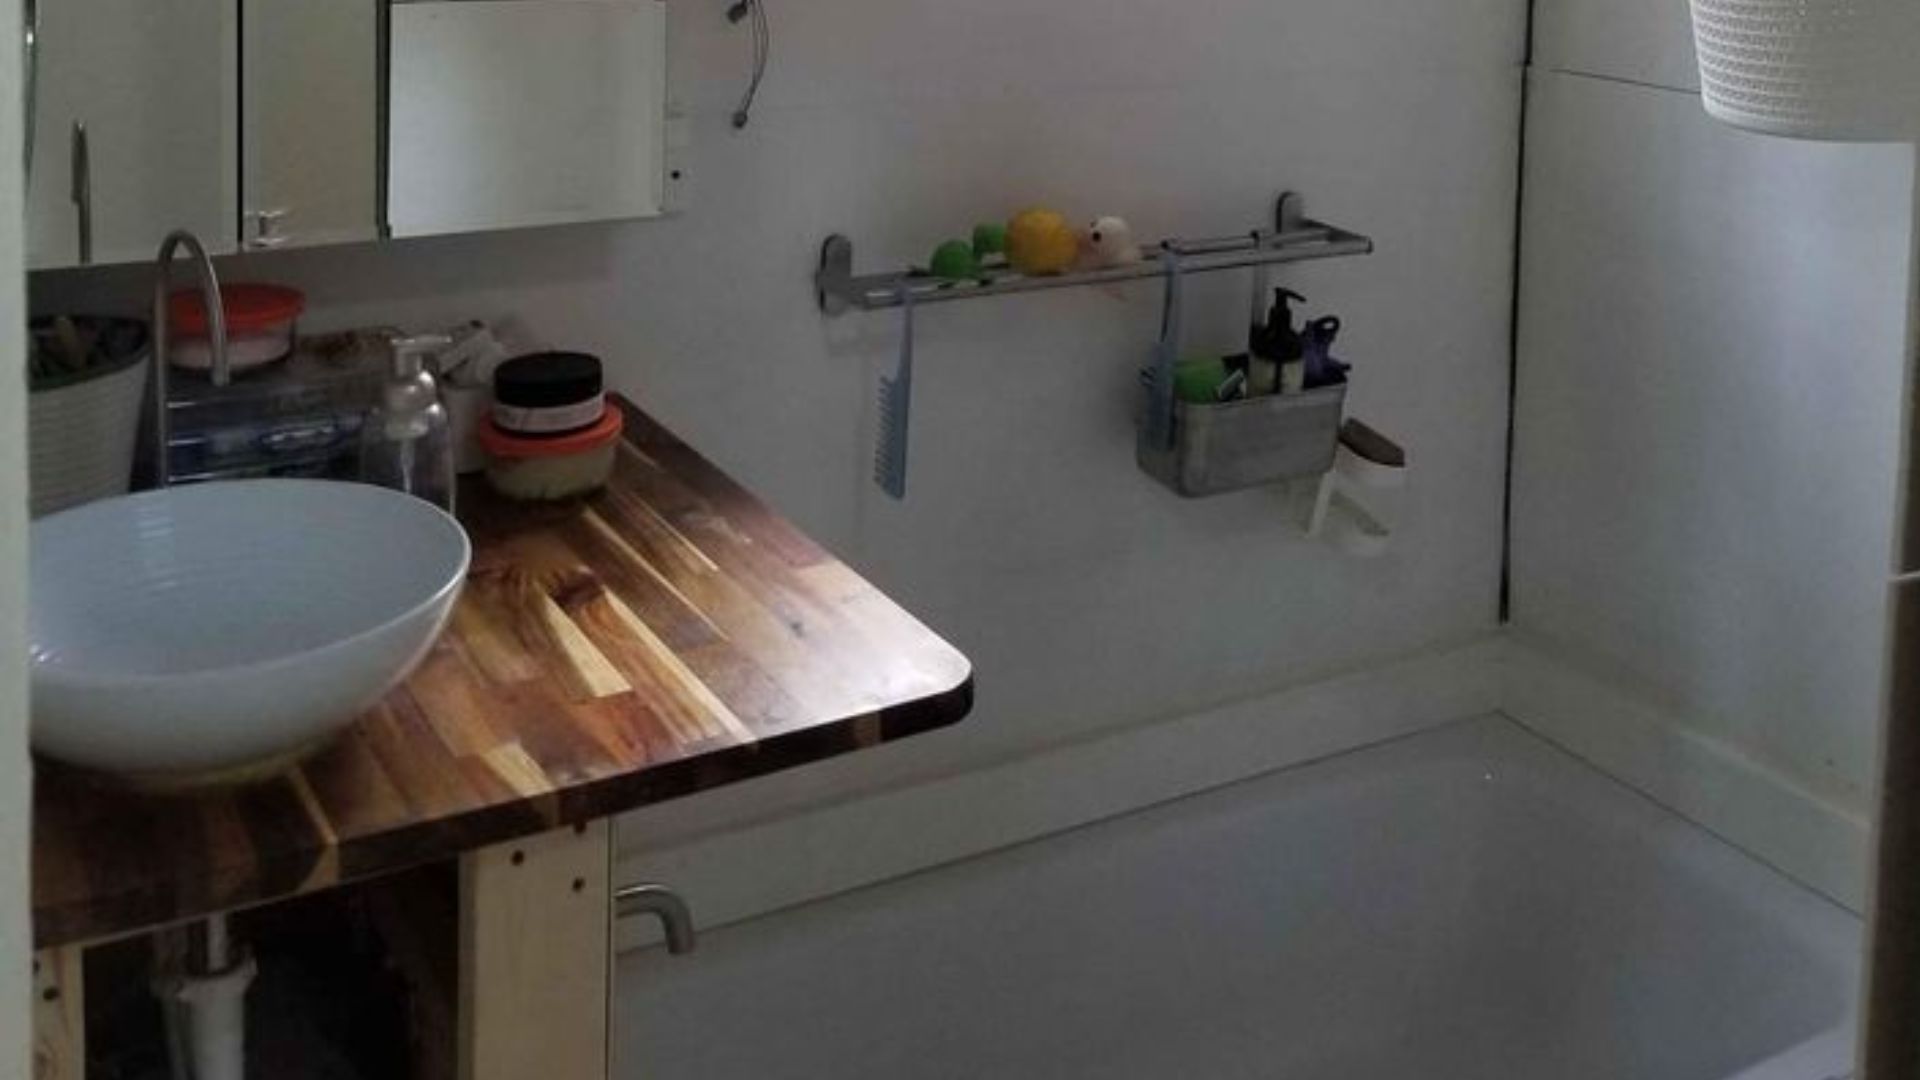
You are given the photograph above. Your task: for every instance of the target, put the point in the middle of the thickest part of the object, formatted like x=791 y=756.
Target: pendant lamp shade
x=1812 y=69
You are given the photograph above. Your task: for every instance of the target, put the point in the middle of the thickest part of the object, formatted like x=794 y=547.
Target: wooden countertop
x=670 y=634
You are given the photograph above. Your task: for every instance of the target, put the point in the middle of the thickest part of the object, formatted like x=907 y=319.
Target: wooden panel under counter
x=668 y=635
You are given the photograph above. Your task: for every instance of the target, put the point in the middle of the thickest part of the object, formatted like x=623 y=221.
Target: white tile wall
x=1643 y=41
x=1711 y=367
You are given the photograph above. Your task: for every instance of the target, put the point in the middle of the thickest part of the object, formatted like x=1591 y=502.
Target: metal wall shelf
x=1294 y=238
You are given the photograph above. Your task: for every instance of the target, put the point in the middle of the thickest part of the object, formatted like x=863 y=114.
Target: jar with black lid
x=550 y=394
x=551 y=435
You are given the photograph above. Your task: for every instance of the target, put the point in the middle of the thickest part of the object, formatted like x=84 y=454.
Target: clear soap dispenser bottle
x=405 y=444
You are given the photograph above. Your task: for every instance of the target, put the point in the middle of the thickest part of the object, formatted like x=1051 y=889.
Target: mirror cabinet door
x=135 y=115
x=311 y=104
x=275 y=123
x=508 y=113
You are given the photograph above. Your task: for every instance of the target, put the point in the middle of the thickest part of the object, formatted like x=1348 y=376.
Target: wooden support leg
x=535 y=957
x=59 y=1015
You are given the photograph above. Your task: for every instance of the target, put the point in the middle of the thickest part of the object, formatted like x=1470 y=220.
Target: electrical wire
x=755 y=14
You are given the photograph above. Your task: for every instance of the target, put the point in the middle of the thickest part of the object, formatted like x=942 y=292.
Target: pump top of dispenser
x=1279 y=340
x=410 y=353
x=404 y=443
x=410 y=388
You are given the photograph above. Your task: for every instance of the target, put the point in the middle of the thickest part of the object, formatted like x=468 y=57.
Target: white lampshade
x=1812 y=69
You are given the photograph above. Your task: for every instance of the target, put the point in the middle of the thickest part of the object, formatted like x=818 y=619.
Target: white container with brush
x=87 y=378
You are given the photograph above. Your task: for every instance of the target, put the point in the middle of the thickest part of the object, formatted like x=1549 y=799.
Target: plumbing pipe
x=215 y=1006
x=206 y=1008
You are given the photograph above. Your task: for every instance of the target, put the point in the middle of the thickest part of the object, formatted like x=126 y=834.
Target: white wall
x=16 y=781
x=1708 y=430
x=1640 y=41
x=1087 y=596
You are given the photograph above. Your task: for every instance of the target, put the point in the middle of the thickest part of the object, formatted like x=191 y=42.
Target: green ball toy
x=954 y=261
x=989 y=240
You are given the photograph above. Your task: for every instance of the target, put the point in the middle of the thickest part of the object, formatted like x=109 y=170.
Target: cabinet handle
x=30 y=64
x=266 y=229
x=663 y=904
x=82 y=193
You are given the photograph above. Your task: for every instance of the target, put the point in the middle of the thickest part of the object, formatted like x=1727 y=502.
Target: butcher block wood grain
x=665 y=636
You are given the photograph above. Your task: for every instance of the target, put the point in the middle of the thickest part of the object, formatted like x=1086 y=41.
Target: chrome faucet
x=664 y=904
x=221 y=370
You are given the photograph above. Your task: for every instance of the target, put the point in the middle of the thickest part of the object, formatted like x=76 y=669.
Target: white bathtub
x=1467 y=904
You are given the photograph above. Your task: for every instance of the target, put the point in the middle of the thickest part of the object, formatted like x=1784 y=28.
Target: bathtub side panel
x=1461 y=904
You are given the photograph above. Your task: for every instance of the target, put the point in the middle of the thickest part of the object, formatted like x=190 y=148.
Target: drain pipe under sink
x=205 y=1004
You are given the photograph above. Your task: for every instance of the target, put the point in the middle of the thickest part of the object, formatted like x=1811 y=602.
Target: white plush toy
x=1110 y=242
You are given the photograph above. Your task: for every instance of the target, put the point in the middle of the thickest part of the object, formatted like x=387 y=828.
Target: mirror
x=524 y=112
x=134 y=108
x=311 y=104
x=264 y=124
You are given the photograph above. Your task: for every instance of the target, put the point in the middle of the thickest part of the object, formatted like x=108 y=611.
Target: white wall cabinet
x=311 y=110
x=154 y=86
x=525 y=112
x=262 y=124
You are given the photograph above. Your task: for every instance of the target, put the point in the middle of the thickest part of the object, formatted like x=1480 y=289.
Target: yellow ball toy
x=1040 y=242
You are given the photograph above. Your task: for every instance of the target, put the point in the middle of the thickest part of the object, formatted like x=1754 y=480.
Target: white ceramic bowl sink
x=203 y=631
